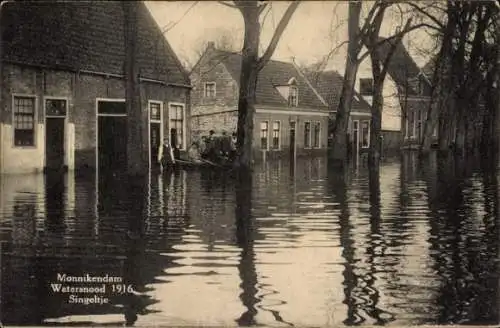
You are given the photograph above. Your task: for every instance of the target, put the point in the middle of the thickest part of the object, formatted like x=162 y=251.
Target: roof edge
x=297 y=68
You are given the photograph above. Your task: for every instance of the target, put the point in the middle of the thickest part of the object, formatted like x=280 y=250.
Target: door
x=54 y=143
x=292 y=139
x=112 y=144
x=154 y=142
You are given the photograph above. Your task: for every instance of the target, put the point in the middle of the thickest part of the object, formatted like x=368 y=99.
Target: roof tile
x=85 y=35
x=275 y=73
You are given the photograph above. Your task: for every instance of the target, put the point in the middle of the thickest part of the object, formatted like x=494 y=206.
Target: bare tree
x=251 y=64
x=367 y=35
x=463 y=71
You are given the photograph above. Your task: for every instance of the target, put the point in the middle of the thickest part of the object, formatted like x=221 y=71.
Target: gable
x=85 y=36
x=272 y=78
x=329 y=85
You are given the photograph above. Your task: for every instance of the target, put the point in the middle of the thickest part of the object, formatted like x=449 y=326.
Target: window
x=366 y=87
x=263 y=134
x=55 y=107
x=276 y=134
x=411 y=124
x=176 y=125
x=24 y=121
x=155 y=111
x=365 y=134
x=307 y=134
x=316 y=134
x=293 y=97
x=210 y=90
x=419 y=124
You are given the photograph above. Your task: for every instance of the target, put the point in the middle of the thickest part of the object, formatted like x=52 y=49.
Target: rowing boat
x=203 y=164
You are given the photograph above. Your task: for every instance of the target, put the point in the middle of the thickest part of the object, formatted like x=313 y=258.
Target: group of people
x=212 y=148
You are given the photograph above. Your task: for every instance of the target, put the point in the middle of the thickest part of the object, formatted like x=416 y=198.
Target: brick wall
x=285 y=119
x=219 y=122
x=212 y=70
x=81 y=91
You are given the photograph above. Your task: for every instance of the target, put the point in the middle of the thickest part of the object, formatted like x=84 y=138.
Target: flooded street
x=307 y=247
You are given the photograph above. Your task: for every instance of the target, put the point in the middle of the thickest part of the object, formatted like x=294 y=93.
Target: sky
x=316 y=28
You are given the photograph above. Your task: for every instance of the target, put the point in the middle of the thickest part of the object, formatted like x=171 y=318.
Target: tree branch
x=426 y=14
x=385 y=66
x=227 y=4
x=262 y=7
x=395 y=36
x=277 y=35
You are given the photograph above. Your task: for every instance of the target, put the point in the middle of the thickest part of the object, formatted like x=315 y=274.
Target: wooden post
x=136 y=154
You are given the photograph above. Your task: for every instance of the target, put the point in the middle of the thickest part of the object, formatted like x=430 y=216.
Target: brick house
x=291 y=117
x=413 y=89
x=329 y=86
x=63 y=90
x=406 y=97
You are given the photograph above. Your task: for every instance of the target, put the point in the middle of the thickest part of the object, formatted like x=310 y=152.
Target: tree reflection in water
x=245 y=240
x=338 y=186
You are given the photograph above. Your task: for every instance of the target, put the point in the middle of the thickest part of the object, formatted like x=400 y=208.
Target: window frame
x=361 y=122
x=35 y=120
x=308 y=144
x=45 y=98
x=361 y=89
x=279 y=135
x=313 y=132
x=266 y=134
x=156 y=102
x=205 y=95
x=295 y=103
x=184 y=123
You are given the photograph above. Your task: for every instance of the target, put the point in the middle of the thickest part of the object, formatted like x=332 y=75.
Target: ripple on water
x=314 y=249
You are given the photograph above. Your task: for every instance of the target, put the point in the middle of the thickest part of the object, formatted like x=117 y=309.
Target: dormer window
x=293 y=96
x=209 y=90
x=366 y=87
x=421 y=86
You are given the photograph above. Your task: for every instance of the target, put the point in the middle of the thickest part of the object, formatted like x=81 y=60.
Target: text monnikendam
x=63 y=277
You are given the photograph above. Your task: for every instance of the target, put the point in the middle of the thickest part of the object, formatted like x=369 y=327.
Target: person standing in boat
x=166 y=154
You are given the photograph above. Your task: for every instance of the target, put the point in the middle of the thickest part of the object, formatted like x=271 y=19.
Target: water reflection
x=301 y=244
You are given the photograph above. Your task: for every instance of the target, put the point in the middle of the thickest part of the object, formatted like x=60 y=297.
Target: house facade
x=291 y=117
x=329 y=86
x=63 y=93
x=406 y=95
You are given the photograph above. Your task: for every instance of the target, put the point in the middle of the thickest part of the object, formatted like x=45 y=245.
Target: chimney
x=211 y=45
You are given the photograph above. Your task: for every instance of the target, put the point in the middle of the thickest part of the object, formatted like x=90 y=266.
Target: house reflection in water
x=305 y=245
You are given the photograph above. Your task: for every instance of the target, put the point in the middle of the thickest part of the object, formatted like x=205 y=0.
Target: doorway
x=54 y=143
x=55 y=126
x=155 y=131
x=111 y=136
x=154 y=142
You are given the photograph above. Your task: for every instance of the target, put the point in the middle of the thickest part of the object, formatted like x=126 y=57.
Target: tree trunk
x=376 y=121
x=496 y=87
x=338 y=151
x=136 y=159
x=440 y=92
x=248 y=85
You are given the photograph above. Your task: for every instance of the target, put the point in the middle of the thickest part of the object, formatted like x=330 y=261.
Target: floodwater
x=304 y=246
